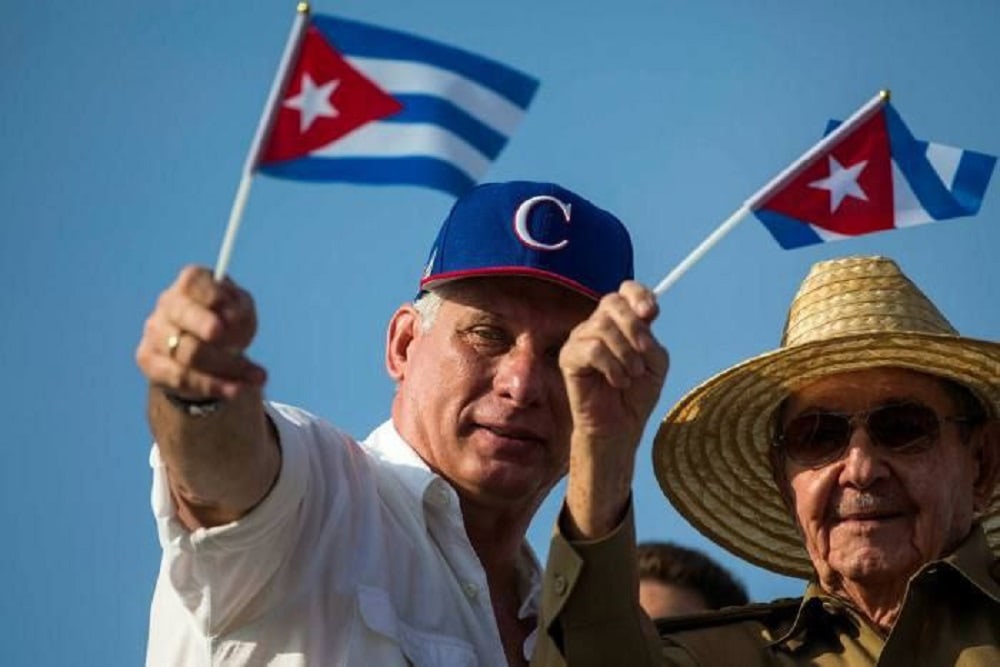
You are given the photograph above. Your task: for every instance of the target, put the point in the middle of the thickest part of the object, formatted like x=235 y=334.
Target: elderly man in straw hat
x=863 y=456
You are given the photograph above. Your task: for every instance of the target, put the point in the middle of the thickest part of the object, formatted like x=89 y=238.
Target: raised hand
x=614 y=370
x=192 y=344
x=221 y=457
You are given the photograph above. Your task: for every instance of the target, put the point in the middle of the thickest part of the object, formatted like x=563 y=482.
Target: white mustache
x=867 y=503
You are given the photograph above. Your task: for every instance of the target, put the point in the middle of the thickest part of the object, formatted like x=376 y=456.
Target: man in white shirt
x=286 y=542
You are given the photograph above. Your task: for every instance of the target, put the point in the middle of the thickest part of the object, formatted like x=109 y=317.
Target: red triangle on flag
x=325 y=98
x=848 y=190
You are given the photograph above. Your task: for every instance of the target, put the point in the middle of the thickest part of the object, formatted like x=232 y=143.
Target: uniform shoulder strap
x=769 y=613
x=730 y=636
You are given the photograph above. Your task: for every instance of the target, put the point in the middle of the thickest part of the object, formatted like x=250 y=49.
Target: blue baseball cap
x=537 y=230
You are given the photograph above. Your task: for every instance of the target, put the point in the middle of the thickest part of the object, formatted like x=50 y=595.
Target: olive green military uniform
x=590 y=616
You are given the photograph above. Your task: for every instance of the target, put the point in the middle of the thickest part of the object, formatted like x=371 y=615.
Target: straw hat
x=711 y=452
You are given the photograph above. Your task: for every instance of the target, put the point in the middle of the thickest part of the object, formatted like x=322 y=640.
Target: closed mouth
x=861 y=517
x=512 y=433
x=870 y=517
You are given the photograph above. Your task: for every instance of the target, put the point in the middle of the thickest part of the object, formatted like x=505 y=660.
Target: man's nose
x=863 y=461
x=520 y=375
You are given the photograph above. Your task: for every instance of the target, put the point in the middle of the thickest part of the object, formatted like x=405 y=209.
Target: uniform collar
x=974 y=561
x=817 y=610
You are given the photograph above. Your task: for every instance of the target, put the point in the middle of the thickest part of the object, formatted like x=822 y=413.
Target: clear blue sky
x=123 y=126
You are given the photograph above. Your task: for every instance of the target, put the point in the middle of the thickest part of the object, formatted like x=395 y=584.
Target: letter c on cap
x=521 y=222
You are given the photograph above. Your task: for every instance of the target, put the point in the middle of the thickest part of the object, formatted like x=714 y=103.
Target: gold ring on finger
x=173 y=342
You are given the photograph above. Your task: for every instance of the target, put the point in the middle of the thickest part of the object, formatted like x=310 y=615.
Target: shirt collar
x=426 y=487
x=530 y=591
x=530 y=582
x=416 y=477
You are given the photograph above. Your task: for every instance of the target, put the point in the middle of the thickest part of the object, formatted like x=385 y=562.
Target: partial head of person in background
x=676 y=580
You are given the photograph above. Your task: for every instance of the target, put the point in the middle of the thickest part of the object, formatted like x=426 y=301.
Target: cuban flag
x=873 y=176
x=363 y=104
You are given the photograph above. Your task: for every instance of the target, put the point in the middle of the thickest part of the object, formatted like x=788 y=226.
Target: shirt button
x=471 y=590
x=559 y=584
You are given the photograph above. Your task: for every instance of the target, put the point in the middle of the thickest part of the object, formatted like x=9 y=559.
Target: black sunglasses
x=816 y=438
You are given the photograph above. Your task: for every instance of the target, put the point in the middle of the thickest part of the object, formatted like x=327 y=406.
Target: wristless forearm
x=598 y=491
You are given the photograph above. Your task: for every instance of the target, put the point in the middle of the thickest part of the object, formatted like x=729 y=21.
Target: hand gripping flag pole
x=260 y=137
x=778 y=182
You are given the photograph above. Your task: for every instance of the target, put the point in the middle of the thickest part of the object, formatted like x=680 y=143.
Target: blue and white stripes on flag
x=456 y=110
x=932 y=181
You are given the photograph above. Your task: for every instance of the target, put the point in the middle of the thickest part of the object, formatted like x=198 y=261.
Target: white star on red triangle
x=842 y=182
x=313 y=101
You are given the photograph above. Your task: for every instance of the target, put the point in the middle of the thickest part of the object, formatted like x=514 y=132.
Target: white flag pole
x=702 y=248
x=260 y=136
x=775 y=184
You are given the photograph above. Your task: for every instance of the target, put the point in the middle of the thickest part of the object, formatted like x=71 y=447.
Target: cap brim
x=438 y=279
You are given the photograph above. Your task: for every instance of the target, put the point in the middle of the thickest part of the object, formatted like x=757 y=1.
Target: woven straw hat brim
x=710 y=454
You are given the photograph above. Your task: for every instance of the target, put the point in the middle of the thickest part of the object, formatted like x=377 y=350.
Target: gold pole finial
x=884 y=94
x=302 y=8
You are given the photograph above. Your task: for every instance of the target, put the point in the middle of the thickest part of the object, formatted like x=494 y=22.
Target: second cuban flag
x=877 y=177
x=364 y=104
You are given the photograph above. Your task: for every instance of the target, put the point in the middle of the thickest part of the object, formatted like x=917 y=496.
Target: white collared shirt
x=358 y=556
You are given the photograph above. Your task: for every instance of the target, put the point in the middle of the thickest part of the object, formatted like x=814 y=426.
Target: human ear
x=400 y=334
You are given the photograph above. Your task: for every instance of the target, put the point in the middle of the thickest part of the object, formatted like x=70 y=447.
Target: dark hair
x=679 y=566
